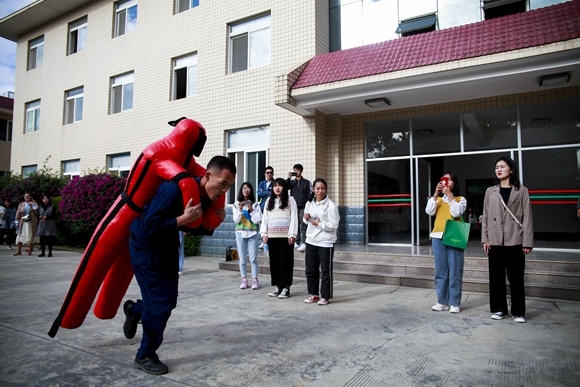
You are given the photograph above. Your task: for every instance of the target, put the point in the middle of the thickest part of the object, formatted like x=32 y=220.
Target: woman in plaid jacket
x=507 y=235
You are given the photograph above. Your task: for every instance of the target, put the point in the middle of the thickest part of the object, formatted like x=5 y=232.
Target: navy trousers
x=158 y=282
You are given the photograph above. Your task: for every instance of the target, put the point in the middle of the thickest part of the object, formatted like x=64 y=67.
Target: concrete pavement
x=219 y=335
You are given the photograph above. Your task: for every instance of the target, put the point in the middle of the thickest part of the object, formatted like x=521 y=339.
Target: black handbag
x=231 y=254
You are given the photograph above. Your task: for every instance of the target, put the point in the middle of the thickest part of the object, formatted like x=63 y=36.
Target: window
x=184 y=5
x=417 y=25
x=125 y=17
x=498 y=8
x=119 y=164
x=73 y=108
x=122 y=93
x=77 y=35
x=32 y=116
x=248 y=149
x=5 y=130
x=71 y=169
x=28 y=169
x=250 y=44
x=35 y=52
x=184 y=76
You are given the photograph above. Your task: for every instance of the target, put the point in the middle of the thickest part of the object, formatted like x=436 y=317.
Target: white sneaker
x=179 y=273
x=439 y=307
x=519 y=319
x=261 y=245
x=498 y=316
x=296 y=246
x=454 y=309
x=302 y=247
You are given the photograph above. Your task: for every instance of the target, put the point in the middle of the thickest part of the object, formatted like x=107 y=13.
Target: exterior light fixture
x=554 y=79
x=377 y=102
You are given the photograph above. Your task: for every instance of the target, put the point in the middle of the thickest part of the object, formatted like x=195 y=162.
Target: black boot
x=50 y=251
x=42 y=253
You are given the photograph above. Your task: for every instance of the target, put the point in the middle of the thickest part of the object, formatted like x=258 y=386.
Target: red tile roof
x=6 y=103
x=547 y=25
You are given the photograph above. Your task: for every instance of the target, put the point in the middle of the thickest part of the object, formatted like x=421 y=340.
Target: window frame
x=121 y=170
x=34 y=108
x=70 y=175
x=76 y=99
x=35 y=52
x=77 y=41
x=6 y=136
x=185 y=5
x=28 y=169
x=123 y=83
x=121 y=14
x=247 y=28
x=189 y=63
x=423 y=23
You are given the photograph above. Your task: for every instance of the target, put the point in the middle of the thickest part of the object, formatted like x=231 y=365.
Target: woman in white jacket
x=321 y=216
x=247 y=216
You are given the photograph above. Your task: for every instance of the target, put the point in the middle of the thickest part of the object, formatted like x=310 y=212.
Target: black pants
x=46 y=240
x=10 y=235
x=510 y=260
x=281 y=262
x=319 y=257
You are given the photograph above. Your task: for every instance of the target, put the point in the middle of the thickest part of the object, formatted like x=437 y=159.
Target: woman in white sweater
x=279 y=228
x=321 y=216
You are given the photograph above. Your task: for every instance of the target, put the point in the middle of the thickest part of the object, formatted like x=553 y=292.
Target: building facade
x=278 y=83
x=6 y=109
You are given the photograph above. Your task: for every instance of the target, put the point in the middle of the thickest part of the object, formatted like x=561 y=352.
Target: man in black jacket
x=300 y=190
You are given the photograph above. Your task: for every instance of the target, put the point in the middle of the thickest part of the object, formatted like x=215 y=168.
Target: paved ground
x=371 y=335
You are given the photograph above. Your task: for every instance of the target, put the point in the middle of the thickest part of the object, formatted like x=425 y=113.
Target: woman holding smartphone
x=446 y=204
x=507 y=234
x=247 y=216
x=321 y=216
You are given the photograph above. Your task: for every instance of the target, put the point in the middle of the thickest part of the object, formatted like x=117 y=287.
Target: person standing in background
x=46 y=225
x=181 y=252
x=264 y=190
x=448 y=260
x=507 y=235
x=27 y=223
x=278 y=229
x=322 y=218
x=300 y=190
x=7 y=226
x=247 y=217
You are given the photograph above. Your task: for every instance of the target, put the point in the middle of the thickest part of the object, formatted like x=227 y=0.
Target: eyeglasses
x=269 y=173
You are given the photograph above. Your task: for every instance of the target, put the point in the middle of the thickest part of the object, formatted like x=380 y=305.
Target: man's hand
x=221 y=213
x=190 y=213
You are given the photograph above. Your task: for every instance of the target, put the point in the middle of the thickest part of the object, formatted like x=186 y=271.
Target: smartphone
x=445 y=180
x=292 y=173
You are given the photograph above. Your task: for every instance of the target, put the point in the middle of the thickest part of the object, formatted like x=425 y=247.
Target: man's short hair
x=268 y=167
x=219 y=163
x=298 y=166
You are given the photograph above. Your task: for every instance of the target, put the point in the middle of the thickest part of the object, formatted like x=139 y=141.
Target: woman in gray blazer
x=507 y=235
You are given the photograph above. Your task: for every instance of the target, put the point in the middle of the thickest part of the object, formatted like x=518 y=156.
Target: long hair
x=45 y=206
x=283 y=197
x=251 y=196
x=455 y=190
x=514 y=180
x=312 y=197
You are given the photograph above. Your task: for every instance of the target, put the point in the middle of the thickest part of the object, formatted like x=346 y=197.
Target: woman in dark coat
x=46 y=225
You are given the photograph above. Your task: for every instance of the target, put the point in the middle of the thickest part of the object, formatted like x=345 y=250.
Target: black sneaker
x=130 y=324
x=275 y=292
x=285 y=293
x=151 y=365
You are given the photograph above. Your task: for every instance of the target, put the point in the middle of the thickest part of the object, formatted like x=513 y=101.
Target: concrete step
x=544 y=279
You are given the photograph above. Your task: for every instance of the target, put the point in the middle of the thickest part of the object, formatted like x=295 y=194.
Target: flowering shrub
x=38 y=184
x=86 y=200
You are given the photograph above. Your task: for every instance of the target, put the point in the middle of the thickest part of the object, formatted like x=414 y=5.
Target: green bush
x=191 y=245
x=42 y=182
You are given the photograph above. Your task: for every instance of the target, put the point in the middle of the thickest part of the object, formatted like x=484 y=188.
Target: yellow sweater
x=443 y=214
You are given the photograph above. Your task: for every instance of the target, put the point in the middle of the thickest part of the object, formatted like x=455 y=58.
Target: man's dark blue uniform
x=154 y=247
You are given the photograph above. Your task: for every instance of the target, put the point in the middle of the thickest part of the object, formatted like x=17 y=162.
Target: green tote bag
x=456 y=234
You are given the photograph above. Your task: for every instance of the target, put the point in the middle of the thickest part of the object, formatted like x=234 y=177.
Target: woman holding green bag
x=446 y=204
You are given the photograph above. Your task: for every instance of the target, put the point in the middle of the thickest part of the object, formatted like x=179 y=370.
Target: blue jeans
x=448 y=273
x=181 y=251
x=248 y=246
